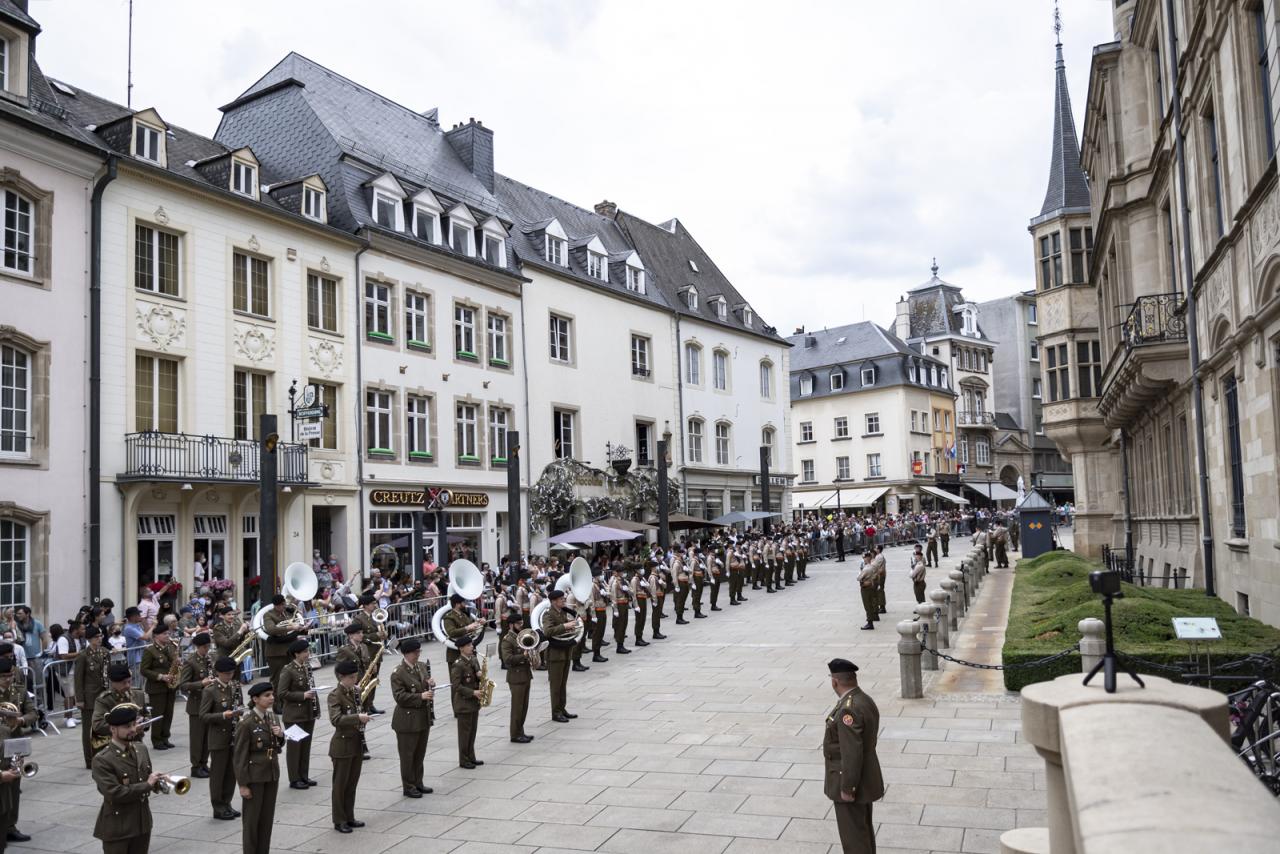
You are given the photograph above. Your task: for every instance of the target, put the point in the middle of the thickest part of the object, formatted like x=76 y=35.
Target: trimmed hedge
x=1051 y=595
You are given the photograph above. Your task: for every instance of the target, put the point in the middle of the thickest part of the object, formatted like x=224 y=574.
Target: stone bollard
x=909 y=660
x=941 y=629
x=971 y=577
x=951 y=616
x=962 y=592
x=1093 y=643
x=928 y=637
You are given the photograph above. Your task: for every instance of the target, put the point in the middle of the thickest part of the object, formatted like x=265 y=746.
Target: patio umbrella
x=683 y=521
x=743 y=516
x=624 y=524
x=592 y=534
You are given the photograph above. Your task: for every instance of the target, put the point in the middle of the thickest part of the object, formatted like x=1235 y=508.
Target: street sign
x=321 y=411
x=310 y=430
x=1196 y=628
x=309 y=395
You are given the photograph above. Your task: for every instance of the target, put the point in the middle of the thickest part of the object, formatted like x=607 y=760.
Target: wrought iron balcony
x=976 y=419
x=177 y=456
x=1155 y=319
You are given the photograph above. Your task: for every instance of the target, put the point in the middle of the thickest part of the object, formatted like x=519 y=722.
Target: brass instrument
x=487 y=685
x=532 y=643
x=367 y=689
x=379 y=615
x=15 y=751
x=168 y=785
x=371 y=670
x=175 y=670
x=243 y=651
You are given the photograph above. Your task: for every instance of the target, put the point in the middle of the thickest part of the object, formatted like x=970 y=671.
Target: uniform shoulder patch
x=847 y=720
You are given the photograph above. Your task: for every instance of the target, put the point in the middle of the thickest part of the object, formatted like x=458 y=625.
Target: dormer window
x=426 y=225
x=495 y=242
x=969 y=322
x=868 y=377
x=146 y=142
x=462 y=231
x=635 y=280
x=748 y=316
x=554 y=250
x=313 y=204
x=837 y=381
x=806 y=386
x=596 y=267
x=384 y=210
x=244 y=178
x=911 y=371
x=720 y=307
x=691 y=299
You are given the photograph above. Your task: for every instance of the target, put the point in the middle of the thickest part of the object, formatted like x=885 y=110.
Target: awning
x=993 y=490
x=942 y=493
x=810 y=500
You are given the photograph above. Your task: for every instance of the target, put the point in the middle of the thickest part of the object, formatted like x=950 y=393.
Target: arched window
x=766 y=442
x=692 y=364
x=695 y=440
x=766 y=379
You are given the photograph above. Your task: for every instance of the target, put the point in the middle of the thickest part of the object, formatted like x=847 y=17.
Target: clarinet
x=311 y=686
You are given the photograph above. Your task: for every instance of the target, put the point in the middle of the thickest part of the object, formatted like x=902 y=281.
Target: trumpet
x=15 y=751
x=168 y=785
x=379 y=615
x=532 y=644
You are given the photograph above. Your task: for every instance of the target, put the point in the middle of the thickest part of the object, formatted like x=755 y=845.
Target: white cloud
x=823 y=152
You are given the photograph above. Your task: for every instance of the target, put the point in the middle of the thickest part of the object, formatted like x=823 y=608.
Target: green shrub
x=1051 y=595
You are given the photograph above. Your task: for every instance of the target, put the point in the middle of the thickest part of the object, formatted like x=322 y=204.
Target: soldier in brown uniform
x=556 y=624
x=465 y=677
x=681 y=572
x=620 y=597
x=227 y=631
x=281 y=631
x=519 y=676
x=375 y=635
x=14 y=690
x=852 y=779
x=161 y=666
x=90 y=680
x=658 y=590
x=357 y=653
x=918 y=567
x=413 y=690
x=10 y=783
x=457 y=623
x=119 y=690
x=582 y=609
x=640 y=590
x=123 y=775
x=256 y=759
x=346 y=745
x=300 y=707
x=196 y=673
x=881 y=566
x=716 y=570
x=697 y=566
x=600 y=609
x=867 y=587
x=220 y=704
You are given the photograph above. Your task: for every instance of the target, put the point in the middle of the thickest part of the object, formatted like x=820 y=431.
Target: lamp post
x=267 y=473
x=664 y=530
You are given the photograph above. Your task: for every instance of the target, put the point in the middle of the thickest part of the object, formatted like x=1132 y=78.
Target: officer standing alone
x=853 y=778
x=256 y=759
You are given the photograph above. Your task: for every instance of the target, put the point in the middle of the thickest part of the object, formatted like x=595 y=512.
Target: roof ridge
x=551 y=196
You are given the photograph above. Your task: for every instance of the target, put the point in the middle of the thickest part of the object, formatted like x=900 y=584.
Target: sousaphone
x=300 y=584
x=576 y=581
x=467 y=581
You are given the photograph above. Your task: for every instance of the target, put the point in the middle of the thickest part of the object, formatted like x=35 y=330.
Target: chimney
x=474 y=144
x=902 y=322
x=799 y=330
x=810 y=342
x=607 y=208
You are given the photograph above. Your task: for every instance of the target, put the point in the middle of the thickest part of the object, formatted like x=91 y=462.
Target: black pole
x=442 y=535
x=1128 y=507
x=514 y=511
x=764 y=487
x=95 y=381
x=267 y=513
x=417 y=552
x=664 y=512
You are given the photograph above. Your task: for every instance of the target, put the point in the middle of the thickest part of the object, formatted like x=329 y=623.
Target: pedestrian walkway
x=707 y=742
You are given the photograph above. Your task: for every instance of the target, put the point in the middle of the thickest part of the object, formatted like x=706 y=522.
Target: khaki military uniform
x=374 y=636
x=279 y=636
x=681 y=576
x=620 y=596
x=220 y=734
x=465 y=676
x=17 y=694
x=852 y=767
x=124 y=821
x=557 y=658
x=105 y=702
x=159 y=661
x=455 y=624
x=90 y=679
x=297 y=710
x=944 y=534
x=194 y=671
x=8 y=795
x=638 y=584
x=658 y=592
x=256 y=759
x=600 y=610
x=918 y=567
x=880 y=565
x=698 y=582
x=358 y=653
x=519 y=680
x=226 y=636
x=867 y=587
x=346 y=751
x=412 y=719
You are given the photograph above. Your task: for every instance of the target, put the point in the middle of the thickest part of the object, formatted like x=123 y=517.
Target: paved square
x=706 y=742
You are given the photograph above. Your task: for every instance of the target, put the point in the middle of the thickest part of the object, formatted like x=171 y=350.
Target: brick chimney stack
x=607 y=208
x=474 y=144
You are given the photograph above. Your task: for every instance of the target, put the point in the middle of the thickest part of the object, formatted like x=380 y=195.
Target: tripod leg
x=1094 y=671
x=1109 y=673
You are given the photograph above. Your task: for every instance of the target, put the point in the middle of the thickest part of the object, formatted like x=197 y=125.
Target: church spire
x=1068 y=187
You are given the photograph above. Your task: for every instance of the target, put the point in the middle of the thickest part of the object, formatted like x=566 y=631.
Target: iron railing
x=1155 y=319
x=153 y=455
x=975 y=419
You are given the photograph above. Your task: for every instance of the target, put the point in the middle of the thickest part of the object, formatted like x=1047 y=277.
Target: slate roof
x=848 y=349
x=1005 y=421
x=532 y=210
x=1068 y=187
x=666 y=253
x=15 y=13
x=932 y=308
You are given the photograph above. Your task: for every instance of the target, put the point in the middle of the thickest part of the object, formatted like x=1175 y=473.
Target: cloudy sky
x=822 y=152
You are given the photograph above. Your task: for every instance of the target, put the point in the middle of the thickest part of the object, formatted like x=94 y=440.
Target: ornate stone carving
x=326 y=357
x=254 y=343
x=1264 y=228
x=326 y=471
x=159 y=494
x=324 y=264
x=160 y=326
x=254 y=245
x=161 y=215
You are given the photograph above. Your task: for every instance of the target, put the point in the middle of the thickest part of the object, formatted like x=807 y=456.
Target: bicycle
x=1255 y=730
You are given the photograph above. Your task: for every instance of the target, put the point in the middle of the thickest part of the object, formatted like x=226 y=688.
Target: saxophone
x=175 y=669
x=368 y=677
x=486 y=684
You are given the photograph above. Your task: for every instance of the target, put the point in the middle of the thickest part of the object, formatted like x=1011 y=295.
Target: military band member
x=227 y=631
x=519 y=676
x=640 y=594
x=356 y=652
x=161 y=667
x=802 y=561
x=1014 y=532
x=122 y=772
x=944 y=534
x=464 y=675
x=867 y=587
x=197 y=672
x=346 y=746
x=582 y=609
x=13 y=689
x=755 y=564
x=698 y=568
x=458 y=623
x=620 y=597
x=502 y=607
x=680 y=569
x=221 y=703
x=300 y=707
x=918 y=566
x=522 y=596
x=658 y=590
x=10 y=785
x=771 y=566
x=256 y=759
x=600 y=613
x=281 y=628
x=853 y=778
x=557 y=624
x=120 y=690
x=788 y=564
x=375 y=635
x=715 y=576
x=413 y=690
x=881 y=567
x=735 y=576
x=931 y=546
x=90 y=680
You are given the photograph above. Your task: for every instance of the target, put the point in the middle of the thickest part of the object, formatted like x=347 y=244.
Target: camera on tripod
x=1105 y=583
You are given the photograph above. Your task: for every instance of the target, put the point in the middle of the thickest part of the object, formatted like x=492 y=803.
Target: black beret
x=465 y=640
x=515 y=617
x=410 y=645
x=119 y=672
x=92 y=631
x=367 y=599
x=555 y=594
x=260 y=688
x=161 y=628
x=346 y=668
x=122 y=715
x=353 y=628
x=6 y=665
x=201 y=639
x=596 y=572
x=226 y=664
x=298 y=646
x=132 y=611
x=841 y=665
x=456 y=599
x=278 y=599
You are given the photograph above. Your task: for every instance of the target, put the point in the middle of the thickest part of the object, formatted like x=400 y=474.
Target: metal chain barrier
x=1022 y=665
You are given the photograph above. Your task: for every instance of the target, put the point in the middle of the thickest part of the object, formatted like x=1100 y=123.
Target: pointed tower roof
x=1068 y=186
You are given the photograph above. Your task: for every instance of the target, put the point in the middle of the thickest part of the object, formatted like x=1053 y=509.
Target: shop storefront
x=473 y=519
